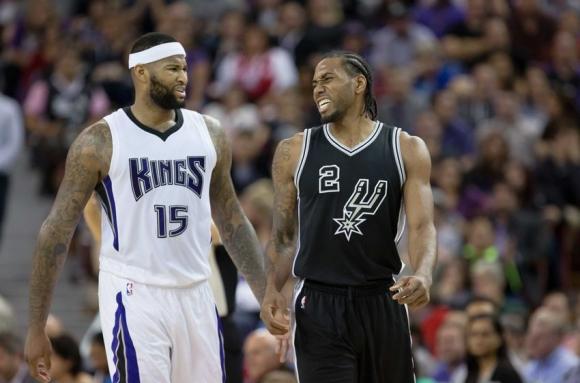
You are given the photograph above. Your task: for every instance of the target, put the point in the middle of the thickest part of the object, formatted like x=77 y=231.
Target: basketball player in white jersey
x=161 y=173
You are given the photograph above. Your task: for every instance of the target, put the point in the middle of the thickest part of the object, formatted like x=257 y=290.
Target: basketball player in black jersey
x=339 y=212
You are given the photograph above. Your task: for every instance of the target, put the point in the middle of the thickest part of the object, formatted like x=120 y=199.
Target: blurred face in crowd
x=9 y=365
x=167 y=82
x=255 y=41
x=477 y=308
x=99 y=357
x=544 y=333
x=333 y=89
x=260 y=354
x=559 y=304
x=450 y=345
x=59 y=366
x=482 y=338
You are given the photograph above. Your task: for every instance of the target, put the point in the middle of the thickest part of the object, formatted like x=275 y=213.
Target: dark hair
x=354 y=65
x=98 y=339
x=503 y=360
x=10 y=343
x=481 y=298
x=149 y=40
x=67 y=348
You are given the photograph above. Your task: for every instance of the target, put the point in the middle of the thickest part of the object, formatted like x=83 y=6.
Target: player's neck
x=352 y=130
x=153 y=116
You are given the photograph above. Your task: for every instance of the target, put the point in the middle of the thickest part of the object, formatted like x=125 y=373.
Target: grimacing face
x=333 y=89
x=167 y=83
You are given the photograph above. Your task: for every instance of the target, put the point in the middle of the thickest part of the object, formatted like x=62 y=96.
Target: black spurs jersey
x=350 y=207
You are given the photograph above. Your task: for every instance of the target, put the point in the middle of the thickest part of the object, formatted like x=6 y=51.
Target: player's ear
x=360 y=84
x=140 y=73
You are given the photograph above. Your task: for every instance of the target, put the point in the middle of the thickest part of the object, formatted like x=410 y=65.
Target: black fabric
x=351 y=335
x=327 y=253
x=163 y=135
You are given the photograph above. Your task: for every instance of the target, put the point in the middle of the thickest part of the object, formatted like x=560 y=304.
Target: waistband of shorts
x=371 y=289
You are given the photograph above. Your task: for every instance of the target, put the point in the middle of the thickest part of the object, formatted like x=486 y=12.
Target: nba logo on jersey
x=129 y=288
x=303 y=303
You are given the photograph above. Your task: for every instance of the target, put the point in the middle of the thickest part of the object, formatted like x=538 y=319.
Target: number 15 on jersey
x=171 y=220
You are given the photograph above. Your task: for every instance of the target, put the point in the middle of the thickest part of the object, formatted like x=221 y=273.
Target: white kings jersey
x=156 y=209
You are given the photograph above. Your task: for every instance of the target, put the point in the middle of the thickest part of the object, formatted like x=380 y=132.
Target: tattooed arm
x=87 y=162
x=282 y=245
x=237 y=234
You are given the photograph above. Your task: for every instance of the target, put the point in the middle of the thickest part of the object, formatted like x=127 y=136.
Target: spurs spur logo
x=359 y=205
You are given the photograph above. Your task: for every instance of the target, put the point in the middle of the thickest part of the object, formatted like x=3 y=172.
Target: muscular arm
x=87 y=162
x=419 y=206
x=237 y=234
x=282 y=245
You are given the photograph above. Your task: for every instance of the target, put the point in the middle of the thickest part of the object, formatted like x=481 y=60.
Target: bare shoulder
x=215 y=130
x=288 y=153
x=93 y=147
x=415 y=152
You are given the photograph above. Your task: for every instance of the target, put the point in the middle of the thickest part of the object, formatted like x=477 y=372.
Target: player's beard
x=163 y=96
x=336 y=115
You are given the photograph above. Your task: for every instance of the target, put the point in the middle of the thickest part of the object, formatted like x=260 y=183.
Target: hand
x=275 y=313
x=282 y=346
x=37 y=353
x=412 y=291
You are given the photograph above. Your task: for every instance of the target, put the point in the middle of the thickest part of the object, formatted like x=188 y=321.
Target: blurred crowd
x=492 y=87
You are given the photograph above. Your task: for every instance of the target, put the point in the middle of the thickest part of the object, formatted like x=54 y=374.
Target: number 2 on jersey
x=176 y=219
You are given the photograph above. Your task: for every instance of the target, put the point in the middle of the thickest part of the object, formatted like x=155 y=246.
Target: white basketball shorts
x=160 y=335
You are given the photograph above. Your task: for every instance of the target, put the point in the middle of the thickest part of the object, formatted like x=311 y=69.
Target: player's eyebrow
x=323 y=76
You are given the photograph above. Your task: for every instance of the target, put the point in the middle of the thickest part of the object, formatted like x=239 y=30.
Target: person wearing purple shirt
x=548 y=361
x=439 y=16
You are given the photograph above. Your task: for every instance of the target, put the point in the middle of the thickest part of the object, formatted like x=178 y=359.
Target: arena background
x=493 y=87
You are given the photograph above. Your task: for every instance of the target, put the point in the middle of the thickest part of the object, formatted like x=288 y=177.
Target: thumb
x=400 y=283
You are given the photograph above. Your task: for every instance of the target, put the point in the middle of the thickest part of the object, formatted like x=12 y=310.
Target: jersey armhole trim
x=207 y=134
x=302 y=159
x=115 y=145
x=398 y=157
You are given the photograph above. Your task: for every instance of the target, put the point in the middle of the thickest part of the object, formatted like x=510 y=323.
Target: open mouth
x=323 y=104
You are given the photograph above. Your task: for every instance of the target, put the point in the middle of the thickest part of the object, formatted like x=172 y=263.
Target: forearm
x=423 y=249
x=49 y=256
x=279 y=263
x=240 y=240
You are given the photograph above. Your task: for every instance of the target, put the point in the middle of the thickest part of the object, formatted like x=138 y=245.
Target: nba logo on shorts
x=129 y=288
x=303 y=302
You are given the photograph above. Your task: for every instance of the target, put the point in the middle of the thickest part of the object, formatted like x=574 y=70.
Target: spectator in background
x=179 y=21
x=396 y=44
x=291 y=25
x=258 y=69
x=457 y=140
x=66 y=364
x=487 y=355
x=260 y=355
x=324 y=32
x=450 y=352
x=56 y=108
x=399 y=106
x=520 y=132
x=99 y=360
x=11 y=142
x=438 y=15
x=13 y=368
x=481 y=305
x=279 y=376
x=489 y=281
x=532 y=31
x=548 y=360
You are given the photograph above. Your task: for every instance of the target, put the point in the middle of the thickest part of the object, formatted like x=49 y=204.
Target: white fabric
x=156 y=53
x=174 y=331
x=11 y=133
x=142 y=255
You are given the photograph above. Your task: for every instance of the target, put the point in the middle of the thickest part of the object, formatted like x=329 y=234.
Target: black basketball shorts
x=351 y=335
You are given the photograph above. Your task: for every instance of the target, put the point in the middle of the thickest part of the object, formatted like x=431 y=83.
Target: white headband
x=156 y=53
